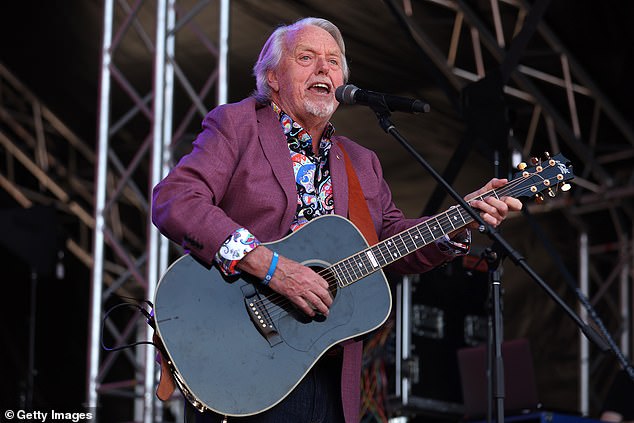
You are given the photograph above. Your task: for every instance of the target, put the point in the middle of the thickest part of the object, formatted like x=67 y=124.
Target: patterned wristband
x=269 y=274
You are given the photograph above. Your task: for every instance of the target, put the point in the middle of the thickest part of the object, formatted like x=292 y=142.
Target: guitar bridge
x=259 y=315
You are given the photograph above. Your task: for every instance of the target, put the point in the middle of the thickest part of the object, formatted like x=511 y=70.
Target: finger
x=316 y=302
x=513 y=203
x=304 y=306
x=322 y=283
x=501 y=208
x=491 y=206
x=325 y=296
x=493 y=211
x=497 y=183
x=490 y=219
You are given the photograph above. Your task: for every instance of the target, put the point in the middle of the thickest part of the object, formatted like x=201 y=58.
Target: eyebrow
x=304 y=47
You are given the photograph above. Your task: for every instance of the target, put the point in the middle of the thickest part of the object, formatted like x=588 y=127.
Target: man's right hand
x=300 y=284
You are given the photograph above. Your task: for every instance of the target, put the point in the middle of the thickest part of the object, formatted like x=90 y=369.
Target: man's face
x=304 y=83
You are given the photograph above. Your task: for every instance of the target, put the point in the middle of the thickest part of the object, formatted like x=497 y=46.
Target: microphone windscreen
x=345 y=93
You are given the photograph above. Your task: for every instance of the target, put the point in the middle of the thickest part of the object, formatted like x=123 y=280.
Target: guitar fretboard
x=388 y=251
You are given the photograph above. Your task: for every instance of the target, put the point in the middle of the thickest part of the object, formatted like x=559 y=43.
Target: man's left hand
x=493 y=210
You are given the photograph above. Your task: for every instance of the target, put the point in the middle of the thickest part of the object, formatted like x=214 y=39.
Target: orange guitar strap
x=359 y=214
x=357 y=206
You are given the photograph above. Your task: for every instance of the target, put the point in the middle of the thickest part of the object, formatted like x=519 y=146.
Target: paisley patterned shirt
x=312 y=172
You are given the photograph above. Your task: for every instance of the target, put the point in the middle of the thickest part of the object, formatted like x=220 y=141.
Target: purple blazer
x=239 y=174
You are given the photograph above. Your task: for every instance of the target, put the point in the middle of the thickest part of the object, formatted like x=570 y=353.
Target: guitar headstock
x=549 y=174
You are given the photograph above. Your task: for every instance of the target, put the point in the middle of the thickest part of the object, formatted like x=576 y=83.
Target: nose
x=322 y=66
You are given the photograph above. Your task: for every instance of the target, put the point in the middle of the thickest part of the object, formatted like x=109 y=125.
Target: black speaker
x=436 y=314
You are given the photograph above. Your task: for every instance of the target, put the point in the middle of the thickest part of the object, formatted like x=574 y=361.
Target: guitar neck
x=397 y=246
x=544 y=176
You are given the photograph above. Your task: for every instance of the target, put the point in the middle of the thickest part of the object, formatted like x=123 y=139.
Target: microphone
x=350 y=94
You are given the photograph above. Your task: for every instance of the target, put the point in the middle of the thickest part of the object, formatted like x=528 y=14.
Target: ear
x=271 y=78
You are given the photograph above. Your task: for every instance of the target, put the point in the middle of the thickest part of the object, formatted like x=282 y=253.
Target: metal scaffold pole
x=129 y=260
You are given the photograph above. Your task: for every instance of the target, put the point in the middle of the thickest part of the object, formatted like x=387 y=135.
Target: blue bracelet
x=269 y=274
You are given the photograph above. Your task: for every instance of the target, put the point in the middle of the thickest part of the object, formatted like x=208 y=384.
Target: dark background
x=54 y=48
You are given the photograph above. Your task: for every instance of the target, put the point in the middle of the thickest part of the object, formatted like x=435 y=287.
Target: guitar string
x=274 y=305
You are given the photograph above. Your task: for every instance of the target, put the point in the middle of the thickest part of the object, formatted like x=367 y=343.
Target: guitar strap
x=359 y=214
x=357 y=206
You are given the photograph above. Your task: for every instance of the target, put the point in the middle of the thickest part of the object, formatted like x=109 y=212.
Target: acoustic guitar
x=238 y=348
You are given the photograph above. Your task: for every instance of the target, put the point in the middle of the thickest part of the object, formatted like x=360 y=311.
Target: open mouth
x=320 y=88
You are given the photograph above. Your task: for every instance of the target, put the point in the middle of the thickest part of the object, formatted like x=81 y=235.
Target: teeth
x=319 y=85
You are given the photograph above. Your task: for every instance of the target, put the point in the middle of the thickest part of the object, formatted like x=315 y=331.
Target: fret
x=415 y=237
x=431 y=234
x=345 y=275
x=351 y=268
x=460 y=213
x=419 y=228
x=377 y=249
x=404 y=243
x=394 y=255
x=436 y=228
x=362 y=265
x=449 y=219
x=372 y=259
x=414 y=233
x=427 y=238
x=456 y=218
x=346 y=271
x=341 y=279
x=350 y=265
x=400 y=244
x=409 y=233
x=357 y=266
x=378 y=255
x=337 y=275
x=446 y=228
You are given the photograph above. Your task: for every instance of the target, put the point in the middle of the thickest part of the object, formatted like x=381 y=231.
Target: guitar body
x=218 y=353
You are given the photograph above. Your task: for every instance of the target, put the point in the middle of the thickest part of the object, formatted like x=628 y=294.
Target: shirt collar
x=288 y=123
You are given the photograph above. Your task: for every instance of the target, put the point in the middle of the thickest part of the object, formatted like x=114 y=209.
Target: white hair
x=272 y=50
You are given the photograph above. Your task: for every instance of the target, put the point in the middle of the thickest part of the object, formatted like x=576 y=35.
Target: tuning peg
x=565 y=187
x=521 y=166
x=551 y=193
x=547 y=155
x=534 y=161
x=539 y=199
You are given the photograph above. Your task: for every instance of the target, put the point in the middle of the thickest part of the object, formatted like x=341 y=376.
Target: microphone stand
x=383 y=114
x=496 y=389
x=495 y=375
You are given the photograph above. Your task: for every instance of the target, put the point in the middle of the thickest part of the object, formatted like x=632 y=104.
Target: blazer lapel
x=276 y=151
x=339 y=179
